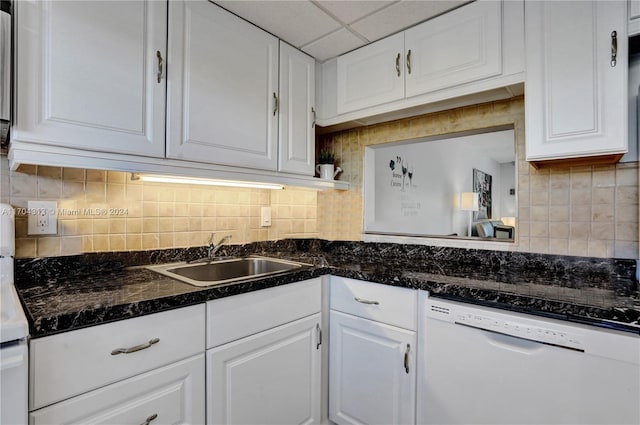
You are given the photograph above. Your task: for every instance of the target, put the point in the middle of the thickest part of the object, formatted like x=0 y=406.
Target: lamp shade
x=469 y=201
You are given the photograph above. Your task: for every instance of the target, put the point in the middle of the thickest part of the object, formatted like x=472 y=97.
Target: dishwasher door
x=471 y=371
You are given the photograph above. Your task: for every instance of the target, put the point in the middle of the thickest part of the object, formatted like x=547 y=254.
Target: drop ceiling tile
x=400 y=16
x=349 y=11
x=296 y=22
x=333 y=45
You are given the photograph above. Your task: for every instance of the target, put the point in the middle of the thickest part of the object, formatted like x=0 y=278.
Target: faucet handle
x=211 y=238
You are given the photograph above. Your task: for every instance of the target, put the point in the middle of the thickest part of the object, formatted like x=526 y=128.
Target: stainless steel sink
x=218 y=272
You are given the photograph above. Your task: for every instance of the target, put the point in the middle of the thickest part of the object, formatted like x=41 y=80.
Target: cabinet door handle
x=614 y=48
x=149 y=419
x=363 y=301
x=160 y=62
x=398 y=64
x=135 y=348
x=406 y=358
x=318 y=336
x=409 y=61
x=275 y=104
x=313 y=111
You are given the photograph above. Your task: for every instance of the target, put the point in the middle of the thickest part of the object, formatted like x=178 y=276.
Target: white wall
x=428 y=205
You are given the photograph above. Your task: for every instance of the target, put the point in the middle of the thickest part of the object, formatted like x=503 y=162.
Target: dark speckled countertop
x=65 y=293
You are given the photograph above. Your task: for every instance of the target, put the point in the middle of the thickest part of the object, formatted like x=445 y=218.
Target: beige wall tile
x=578 y=247
x=559 y=197
x=559 y=230
x=71 y=174
x=558 y=246
x=48 y=246
x=605 y=212
x=627 y=177
x=604 y=178
x=134 y=242
x=100 y=243
x=26 y=248
x=627 y=195
x=117 y=242
x=96 y=176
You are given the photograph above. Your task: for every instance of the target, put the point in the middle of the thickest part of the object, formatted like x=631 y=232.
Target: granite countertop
x=65 y=293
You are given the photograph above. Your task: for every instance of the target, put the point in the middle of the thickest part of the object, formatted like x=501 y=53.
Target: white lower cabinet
x=264 y=356
x=272 y=377
x=169 y=395
x=144 y=370
x=372 y=372
x=372 y=353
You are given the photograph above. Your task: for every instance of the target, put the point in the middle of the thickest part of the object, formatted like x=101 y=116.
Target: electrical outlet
x=265 y=216
x=42 y=218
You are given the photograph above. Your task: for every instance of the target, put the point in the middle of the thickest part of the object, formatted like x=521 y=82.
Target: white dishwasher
x=481 y=365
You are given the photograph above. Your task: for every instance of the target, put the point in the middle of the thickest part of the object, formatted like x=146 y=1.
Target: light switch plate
x=42 y=219
x=265 y=216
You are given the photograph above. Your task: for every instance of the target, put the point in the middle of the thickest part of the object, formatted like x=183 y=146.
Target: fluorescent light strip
x=155 y=178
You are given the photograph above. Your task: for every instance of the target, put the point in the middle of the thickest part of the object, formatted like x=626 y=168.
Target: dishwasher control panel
x=507 y=324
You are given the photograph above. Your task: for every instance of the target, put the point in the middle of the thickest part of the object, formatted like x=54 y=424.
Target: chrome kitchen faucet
x=212 y=248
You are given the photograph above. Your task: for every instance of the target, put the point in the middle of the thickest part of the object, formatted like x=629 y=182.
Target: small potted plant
x=326 y=157
x=326 y=165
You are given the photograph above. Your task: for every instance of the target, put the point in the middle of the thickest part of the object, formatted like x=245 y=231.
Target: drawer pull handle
x=149 y=419
x=275 y=104
x=136 y=348
x=406 y=358
x=318 y=336
x=409 y=61
x=614 y=48
x=159 y=56
x=398 y=64
x=363 y=301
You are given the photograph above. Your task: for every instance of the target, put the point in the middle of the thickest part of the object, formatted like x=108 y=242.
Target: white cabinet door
x=170 y=395
x=458 y=47
x=296 y=138
x=87 y=75
x=371 y=75
x=272 y=377
x=574 y=98
x=222 y=88
x=368 y=381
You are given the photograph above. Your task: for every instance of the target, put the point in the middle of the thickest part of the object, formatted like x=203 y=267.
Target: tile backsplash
x=585 y=211
x=106 y=211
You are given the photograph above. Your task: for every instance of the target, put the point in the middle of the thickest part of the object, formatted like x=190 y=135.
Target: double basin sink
x=218 y=272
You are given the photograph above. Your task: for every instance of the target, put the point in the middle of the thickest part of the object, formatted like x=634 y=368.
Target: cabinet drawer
x=242 y=315
x=382 y=303
x=75 y=362
x=173 y=394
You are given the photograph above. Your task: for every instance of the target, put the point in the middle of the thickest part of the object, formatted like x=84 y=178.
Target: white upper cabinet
x=296 y=137
x=371 y=75
x=470 y=55
x=576 y=83
x=458 y=47
x=222 y=88
x=90 y=75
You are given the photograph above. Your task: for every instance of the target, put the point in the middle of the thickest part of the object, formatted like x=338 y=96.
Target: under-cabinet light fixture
x=157 y=178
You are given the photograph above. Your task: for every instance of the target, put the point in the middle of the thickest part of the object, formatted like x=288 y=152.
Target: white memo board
x=413 y=188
